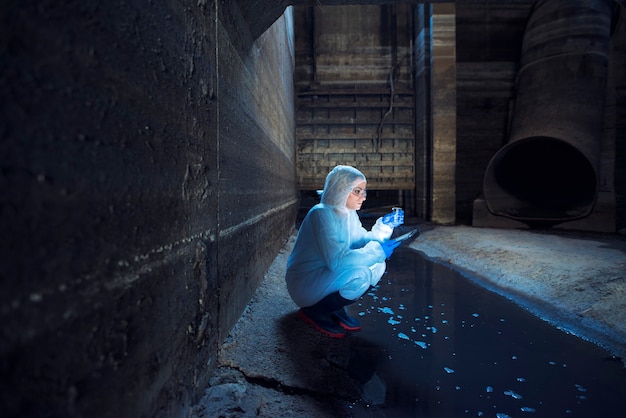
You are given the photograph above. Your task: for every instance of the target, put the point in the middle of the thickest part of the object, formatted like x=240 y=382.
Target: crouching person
x=335 y=259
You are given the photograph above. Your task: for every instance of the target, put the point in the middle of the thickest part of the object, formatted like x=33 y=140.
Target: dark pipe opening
x=541 y=178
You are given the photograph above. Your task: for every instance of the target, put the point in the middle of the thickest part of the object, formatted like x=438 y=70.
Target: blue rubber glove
x=389 y=246
x=392 y=220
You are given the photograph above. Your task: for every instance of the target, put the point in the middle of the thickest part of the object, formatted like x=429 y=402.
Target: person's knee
x=355 y=288
x=377 y=271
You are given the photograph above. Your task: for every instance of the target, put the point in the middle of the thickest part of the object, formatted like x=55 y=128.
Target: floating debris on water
x=512 y=394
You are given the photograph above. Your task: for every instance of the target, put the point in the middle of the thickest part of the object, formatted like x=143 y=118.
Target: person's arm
x=333 y=240
x=380 y=232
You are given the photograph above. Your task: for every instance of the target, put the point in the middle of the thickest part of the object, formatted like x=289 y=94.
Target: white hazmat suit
x=333 y=252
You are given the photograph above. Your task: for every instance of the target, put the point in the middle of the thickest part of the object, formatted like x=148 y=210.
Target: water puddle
x=434 y=344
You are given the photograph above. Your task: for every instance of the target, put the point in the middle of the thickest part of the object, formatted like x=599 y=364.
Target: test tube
x=396 y=214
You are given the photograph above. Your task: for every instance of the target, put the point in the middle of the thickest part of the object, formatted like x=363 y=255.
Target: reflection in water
x=364 y=360
x=434 y=344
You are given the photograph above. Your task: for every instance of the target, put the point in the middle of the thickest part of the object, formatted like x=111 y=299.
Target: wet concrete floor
x=434 y=344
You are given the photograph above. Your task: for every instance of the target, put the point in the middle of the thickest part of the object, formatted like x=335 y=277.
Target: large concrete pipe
x=548 y=171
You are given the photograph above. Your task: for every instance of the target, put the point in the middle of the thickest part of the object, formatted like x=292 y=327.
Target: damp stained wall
x=465 y=62
x=489 y=41
x=146 y=182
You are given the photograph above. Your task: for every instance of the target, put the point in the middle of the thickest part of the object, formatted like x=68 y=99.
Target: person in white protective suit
x=335 y=259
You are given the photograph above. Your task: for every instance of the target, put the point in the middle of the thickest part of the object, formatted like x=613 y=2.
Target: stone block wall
x=147 y=171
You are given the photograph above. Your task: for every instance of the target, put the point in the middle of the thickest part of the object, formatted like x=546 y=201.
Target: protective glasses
x=358 y=192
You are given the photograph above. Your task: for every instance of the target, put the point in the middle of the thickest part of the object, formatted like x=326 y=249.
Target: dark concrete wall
x=258 y=199
x=489 y=44
x=618 y=71
x=146 y=183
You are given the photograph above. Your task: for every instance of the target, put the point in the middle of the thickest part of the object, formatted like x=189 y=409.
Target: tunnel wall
x=147 y=182
x=489 y=41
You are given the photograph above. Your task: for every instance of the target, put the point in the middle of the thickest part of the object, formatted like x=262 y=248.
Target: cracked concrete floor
x=272 y=366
